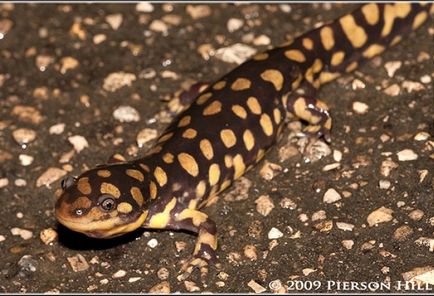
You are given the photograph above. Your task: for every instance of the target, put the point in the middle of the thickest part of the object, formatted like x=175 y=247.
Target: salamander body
x=227 y=129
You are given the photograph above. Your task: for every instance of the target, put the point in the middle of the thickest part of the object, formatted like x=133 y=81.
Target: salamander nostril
x=67 y=182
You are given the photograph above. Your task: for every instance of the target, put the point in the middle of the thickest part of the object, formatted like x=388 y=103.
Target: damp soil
x=55 y=63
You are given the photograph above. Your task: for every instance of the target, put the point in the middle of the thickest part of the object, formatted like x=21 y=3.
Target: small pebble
x=426 y=79
x=412 y=86
x=392 y=67
x=23 y=233
x=104 y=281
x=392 y=90
x=191 y=286
x=319 y=215
x=406 y=155
x=25 y=160
x=163 y=273
x=126 y=114
x=262 y=40
x=43 y=61
x=117 y=80
x=358 y=84
x=134 y=279
x=119 y=274
x=27 y=263
x=416 y=215
x=163 y=287
x=144 y=7
x=234 y=24
x=380 y=215
x=337 y=155
x=257 y=288
x=360 y=107
x=152 y=243
x=2 y=238
x=426 y=241
x=27 y=114
x=48 y=235
x=114 y=20
x=303 y=218
x=402 y=233
x=250 y=252
x=347 y=244
x=422 y=136
x=345 y=226
x=307 y=271
x=20 y=182
x=57 y=129
x=51 y=175
x=159 y=26
x=68 y=63
x=24 y=135
x=384 y=184
x=269 y=170
x=331 y=196
x=287 y=203
x=264 y=205
x=274 y=233
x=78 y=263
x=146 y=135
x=237 y=53
x=78 y=142
x=198 y=11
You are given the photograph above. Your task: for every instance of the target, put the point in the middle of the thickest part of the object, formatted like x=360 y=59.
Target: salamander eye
x=107 y=203
x=67 y=182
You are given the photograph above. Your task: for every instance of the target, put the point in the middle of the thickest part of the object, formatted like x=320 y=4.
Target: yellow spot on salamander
x=160 y=220
x=254 y=105
x=136 y=193
x=419 y=19
x=260 y=56
x=205 y=238
x=241 y=84
x=184 y=121
x=135 y=174
x=327 y=38
x=239 y=166
x=124 y=208
x=249 y=140
x=197 y=217
x=83 y=185
x=260 y=155
x=337 y=58
x=144 y=167
x=203 y=98
x=82 y=203
x=168 y=157
x=273 y=76
x=373 y=50
x=153 y=190
x=188 y=163
x=108 y=188
x=354 y=33
x=160 y=176
x=213 y=108
x=214 y=174
x=165 y=137
x=189 y=133
x=352 y=67
x=396 y=40
x=295 y=55
x=371 y=13
x=228 y=138
x=219 y=85
x=206 y=149
x=200 y=189
x=328 y=76
x=239 y=111
x=104 y=173
x=229 y=162
x=266 y=124
x=225 y=184
x=307 y=43
x=277 y=115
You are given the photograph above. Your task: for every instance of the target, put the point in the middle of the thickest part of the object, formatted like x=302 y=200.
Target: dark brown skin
x=226 y=130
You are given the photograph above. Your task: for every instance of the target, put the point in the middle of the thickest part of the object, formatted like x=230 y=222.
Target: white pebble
x=234 y=24
x=348 y=244
x=392 y=67
x=331 y=196
x=237 y=53
x=406 y=155
x=114 y=20
x=337 y=155
x=144 y=7
x=25 y=234
x=99 y=38
x=274 y=233
x=345 y=226
x=426 y=79
x=57 y=129
x=126 y=114
x=146 y=135
x=360 y=107
x=262 y=40
x=159 y=26
x=118 y=274
x=384 y=184
x=2 y=238
x=20 y=215
x=25 y=159
x=4 y=182
x=78 y=142
x=134 y=279
x=380 y=215
x=152 y=243
x=117 y=80
x=20 y=182
x=421 y=136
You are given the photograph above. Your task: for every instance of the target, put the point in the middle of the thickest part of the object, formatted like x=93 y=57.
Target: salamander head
x=104 y=202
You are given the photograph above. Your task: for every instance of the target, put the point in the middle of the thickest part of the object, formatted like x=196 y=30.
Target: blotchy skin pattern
x=228 y=127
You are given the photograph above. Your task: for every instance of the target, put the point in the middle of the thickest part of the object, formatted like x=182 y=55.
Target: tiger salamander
x=226 y=130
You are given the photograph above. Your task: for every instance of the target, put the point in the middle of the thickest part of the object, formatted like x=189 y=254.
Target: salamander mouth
x=104 y=229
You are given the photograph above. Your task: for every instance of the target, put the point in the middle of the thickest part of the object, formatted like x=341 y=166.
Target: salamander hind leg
x=315 y=112
x=178 y=218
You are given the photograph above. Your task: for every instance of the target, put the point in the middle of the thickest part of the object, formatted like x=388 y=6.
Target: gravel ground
x=80 y=82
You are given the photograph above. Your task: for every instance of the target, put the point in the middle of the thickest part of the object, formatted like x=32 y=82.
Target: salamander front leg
x=206 y=244
x=315 y=112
